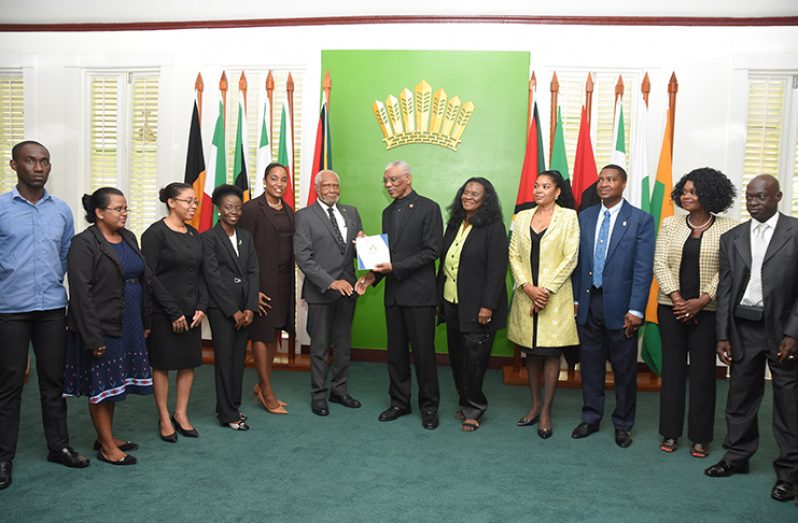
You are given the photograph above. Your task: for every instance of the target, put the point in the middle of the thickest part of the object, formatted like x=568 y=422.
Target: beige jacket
x=559 y=251
x=668 y=257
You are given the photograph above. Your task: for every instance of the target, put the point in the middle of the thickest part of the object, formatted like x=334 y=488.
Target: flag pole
x=673 y=88
x=327 y=88
x=530 y=99
x=618 y=91
x=242 y=88
x=555 y=93
x=589 y=97
x=199 y=86
x=645 y=88
x=223 y=89
x=289 y=87
x=270 y=96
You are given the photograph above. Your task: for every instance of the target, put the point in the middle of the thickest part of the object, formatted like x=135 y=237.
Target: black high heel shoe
x=170 y=438
x=184 y=432
x=545 y=433
x=523 y=422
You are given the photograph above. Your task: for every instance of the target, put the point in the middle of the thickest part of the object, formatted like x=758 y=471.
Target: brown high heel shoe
x=258 y=394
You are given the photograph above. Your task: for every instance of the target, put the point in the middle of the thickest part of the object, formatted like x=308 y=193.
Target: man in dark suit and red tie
x=414 y=227
x=611 y=284
x=757 y=322
x=325 y=251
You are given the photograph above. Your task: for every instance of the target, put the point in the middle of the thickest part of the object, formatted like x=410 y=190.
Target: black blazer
x=232 y=280
x=414 y=250
x=480 y=276
x=779 y=283
x=97 y=288
x=176 y=262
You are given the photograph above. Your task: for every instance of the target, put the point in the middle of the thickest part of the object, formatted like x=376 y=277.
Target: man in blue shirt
x=35 y=233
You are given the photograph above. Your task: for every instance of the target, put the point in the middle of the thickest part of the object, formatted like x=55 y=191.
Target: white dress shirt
x=338 y=217
x=749 y=299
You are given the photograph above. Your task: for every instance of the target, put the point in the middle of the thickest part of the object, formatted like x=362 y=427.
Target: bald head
x=762 y=197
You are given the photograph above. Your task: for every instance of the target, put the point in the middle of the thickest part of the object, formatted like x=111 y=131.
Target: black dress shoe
x=346 y=400
x=188 y=433
x=5 y=474
x=393 y=412
x=523 y=422
x=584 y=430
x=127 y=460
x=124 y=447
x=783 y=491
x=68 y=457
x=623 y=438
x=429 y=419
x=722 y=469
x=319 y=408
x=545 y=433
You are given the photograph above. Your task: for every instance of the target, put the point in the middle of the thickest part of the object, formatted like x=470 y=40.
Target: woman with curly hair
x=686 y=268
x=471 y=291
x=543 y=253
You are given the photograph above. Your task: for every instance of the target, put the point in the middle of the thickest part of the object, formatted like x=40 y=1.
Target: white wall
x=711 y=65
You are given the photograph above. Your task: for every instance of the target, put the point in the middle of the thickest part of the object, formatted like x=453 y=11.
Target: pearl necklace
x=702 y=225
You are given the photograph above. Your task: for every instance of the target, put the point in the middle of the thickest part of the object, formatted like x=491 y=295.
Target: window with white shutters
x=123 y=139
x=12 y=124
x=770 y=140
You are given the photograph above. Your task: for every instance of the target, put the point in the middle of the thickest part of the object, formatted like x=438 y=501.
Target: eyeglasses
x=120 y=210
x=188 y=201
x=392 y=180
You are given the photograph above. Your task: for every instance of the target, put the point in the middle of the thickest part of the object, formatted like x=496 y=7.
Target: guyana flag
x=534 y=162
x=285 y=154
x=240 y=173
x=195 y=163
x=661 y=208
x=322 y=154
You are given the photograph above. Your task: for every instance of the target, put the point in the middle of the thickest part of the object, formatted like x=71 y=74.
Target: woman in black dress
x=173 y=250
x=230 y=267
x=270 y=220
x=471 y=291
x=109 y=288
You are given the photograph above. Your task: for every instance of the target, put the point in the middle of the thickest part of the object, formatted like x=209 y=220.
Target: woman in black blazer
x=173 y=250
x=230 y=267
x=109 y=313
x=471 y=290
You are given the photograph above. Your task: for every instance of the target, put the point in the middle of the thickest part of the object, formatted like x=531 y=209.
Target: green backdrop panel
x=492 y=145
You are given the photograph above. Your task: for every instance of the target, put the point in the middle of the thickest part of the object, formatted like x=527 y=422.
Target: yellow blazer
x=559 y=250
x=668 y=257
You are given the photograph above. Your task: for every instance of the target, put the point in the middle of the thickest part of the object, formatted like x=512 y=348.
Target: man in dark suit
x=612 y=281
x=757 y=322
x=324 y=250
x=414 y=227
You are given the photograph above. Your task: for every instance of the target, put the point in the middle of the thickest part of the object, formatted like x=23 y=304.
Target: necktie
x=601 y=251
x=334 y=223
x=758 y=249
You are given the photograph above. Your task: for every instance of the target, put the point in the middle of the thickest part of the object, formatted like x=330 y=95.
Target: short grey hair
x=401 y=164
x=317 y=180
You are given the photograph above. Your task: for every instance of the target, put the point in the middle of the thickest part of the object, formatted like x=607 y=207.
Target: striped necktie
x=601 y=251
x=758 y=249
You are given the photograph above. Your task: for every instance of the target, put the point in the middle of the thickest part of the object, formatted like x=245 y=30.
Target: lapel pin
x=624 y=223
x=411 y=205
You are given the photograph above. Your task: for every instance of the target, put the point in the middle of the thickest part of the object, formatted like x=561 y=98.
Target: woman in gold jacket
x=686 y=268
x=543 y=253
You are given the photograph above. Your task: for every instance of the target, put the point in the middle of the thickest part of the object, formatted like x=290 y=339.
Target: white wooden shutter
x=12 y=124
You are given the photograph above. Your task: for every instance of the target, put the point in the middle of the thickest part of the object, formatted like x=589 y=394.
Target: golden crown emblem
x=422 y=118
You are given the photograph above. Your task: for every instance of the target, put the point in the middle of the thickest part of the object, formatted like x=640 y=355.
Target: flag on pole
x=264 y=148
x=534 y=162
x=240 y=172
x=559 y=158
x=661 y=208
x=285 y=154
x=322 y=155
x=638 y=192
x=195 y=163
x=585 y=174
x=217 y=171
x=618 y=156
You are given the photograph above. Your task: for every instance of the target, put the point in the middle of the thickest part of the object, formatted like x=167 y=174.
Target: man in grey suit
x=757 y=322
x=324 y=250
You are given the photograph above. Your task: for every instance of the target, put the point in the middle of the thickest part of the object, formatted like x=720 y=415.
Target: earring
x=556 y=198
x=218 y=214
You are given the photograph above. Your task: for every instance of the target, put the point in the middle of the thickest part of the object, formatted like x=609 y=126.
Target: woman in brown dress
x=270 y=220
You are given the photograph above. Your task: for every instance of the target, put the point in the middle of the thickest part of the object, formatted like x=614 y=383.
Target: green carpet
x=349 y=467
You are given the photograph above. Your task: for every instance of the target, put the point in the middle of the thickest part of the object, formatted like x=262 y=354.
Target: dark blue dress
x=124 y=368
